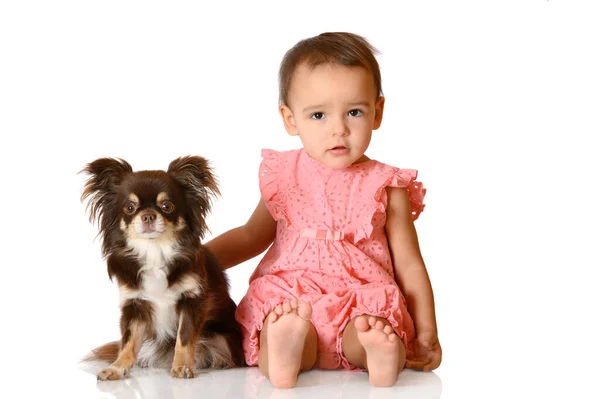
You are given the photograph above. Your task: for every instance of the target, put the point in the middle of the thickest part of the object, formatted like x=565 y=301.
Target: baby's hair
x=328 y=48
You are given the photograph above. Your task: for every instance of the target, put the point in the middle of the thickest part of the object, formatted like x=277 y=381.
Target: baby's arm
x=247 y=241
x=411 y=274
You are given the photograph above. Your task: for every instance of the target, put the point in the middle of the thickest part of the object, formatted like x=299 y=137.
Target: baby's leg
x=288 y=343
x=370 y=342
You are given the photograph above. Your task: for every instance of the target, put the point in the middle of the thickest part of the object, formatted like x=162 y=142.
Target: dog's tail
x=107 y=352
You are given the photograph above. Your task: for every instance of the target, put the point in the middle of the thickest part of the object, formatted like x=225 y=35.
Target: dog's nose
x=148 y=217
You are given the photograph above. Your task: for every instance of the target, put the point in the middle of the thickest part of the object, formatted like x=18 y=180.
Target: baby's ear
x=288 y=120
x=194 y=175
x=105 y=174
x=379 y=105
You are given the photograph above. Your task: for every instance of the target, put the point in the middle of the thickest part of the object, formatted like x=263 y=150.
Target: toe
x=379 y=325
x=189 y=373
x=272 y=318
x=304 y=310
x=294 y=303
x=361 y=324
x=372 y=321
x=278 y=310
x=287 y=308
x=388 y=330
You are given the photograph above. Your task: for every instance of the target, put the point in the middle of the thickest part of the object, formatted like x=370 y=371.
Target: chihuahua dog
x=175 y=305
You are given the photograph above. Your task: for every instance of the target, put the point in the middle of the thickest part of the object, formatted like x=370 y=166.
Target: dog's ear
x=105 y=176
x=194 y=174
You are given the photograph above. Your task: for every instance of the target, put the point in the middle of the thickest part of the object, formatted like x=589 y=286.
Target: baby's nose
x=339 y=127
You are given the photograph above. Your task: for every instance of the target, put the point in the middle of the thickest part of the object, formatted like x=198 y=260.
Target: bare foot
x=286 y=334
x=383 y=348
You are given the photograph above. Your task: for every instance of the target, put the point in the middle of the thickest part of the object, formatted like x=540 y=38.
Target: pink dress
x=330 y=250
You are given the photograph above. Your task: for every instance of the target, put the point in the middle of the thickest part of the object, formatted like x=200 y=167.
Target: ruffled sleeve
x=406 y=178
x=393 y=177
x=269 y=182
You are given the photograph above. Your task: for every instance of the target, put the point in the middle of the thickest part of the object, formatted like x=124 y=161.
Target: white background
x=497 y=103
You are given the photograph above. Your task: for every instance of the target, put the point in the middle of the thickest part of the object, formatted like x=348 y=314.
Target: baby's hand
x=428 y=352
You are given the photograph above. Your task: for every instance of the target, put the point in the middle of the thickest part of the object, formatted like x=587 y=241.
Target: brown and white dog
x=175 y=307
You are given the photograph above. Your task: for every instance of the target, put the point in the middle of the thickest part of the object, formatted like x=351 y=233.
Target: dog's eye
x=167 y=206
x=130 y=208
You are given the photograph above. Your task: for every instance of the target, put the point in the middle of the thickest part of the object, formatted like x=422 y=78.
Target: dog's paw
x=112 y=374
x=182 y=372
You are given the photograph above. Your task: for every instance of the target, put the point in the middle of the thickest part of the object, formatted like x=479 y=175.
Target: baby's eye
x=318 y=115
x=355 y=112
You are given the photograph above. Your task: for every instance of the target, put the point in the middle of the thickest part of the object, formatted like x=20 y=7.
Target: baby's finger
x=416 y=364
x=428 y=366
x=435 y=359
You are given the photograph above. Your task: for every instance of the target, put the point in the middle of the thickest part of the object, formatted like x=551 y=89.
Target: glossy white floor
x=507 y=371
x=249 y=383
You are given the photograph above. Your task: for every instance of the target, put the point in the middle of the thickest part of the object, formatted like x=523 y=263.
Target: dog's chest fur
x=154 y=257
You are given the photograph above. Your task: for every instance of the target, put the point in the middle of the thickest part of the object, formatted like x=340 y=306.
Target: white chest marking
x=154 y=286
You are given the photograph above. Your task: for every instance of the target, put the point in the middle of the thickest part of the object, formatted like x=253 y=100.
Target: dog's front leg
x=191 y=319
x=136 y=318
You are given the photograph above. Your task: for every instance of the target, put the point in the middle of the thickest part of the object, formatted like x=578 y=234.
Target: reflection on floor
x=250 y=383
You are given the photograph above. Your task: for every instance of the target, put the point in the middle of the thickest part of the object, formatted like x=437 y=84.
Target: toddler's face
x=333 y=109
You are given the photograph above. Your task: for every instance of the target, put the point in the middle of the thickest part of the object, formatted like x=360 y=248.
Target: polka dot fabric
x=330 y=249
